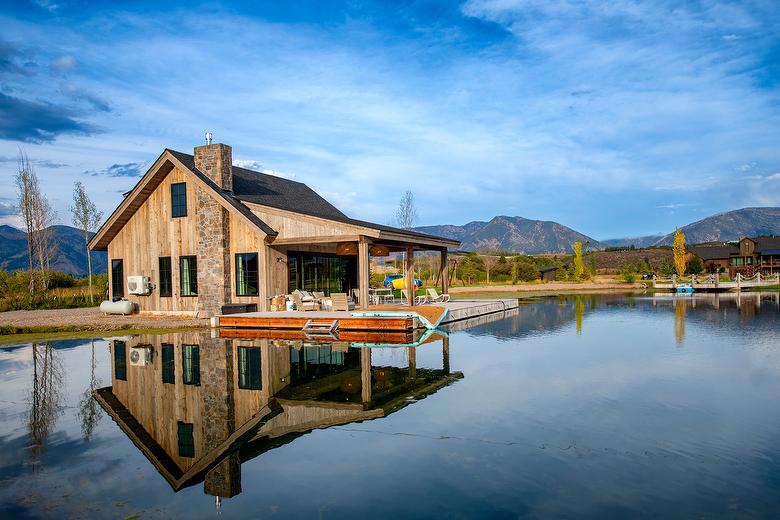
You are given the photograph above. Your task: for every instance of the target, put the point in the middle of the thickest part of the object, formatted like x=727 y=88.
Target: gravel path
x=90 y=318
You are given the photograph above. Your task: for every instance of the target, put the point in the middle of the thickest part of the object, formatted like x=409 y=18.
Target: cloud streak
x=120 y=170
x=38 y=122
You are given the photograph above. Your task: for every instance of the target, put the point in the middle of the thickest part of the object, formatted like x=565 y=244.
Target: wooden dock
x=385 y=318
x=712 y=282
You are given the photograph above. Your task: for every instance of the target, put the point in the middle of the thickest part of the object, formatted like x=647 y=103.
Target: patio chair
x=418 y=300
x=341 y=302
x=319 y=295
x=435 y=297
x=304 y=305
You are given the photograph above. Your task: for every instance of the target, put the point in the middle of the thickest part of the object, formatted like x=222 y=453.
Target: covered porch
x=341 y=263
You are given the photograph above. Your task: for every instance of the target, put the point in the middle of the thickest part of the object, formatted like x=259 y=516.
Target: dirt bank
x=88 y=318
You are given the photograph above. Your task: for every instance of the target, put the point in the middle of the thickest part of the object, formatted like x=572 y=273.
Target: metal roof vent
x=208 y=138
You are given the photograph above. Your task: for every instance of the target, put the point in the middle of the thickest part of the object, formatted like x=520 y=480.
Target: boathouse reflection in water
x=199 y=406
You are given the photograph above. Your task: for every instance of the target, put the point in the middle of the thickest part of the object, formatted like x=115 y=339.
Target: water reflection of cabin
x=207 y=233
x=200 y=406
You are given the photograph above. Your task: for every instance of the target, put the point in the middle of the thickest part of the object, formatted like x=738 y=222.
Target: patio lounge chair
x=304 y=305
x=341 y=302
x=435 y=297
x=418 y=300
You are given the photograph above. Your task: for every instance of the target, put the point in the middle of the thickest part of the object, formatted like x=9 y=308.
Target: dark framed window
x=249 y=377
x=246 y=274
x=168 y=367
x=190 y=364
x=120 y=360
x=186 y=440
x=166 y=280
x=188 y=275
x=179 y=200
x=117 y=279
x=321 y=272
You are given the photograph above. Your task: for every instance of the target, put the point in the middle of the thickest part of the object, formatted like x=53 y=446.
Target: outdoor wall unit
x=139 y=285
x=141 y=355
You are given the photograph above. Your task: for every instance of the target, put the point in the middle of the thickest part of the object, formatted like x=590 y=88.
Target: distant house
x=748 y=256
x=548 y=273
x=206 y=233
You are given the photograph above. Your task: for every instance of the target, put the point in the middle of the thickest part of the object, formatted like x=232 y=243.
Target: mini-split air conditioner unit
x=139 y=285
x=141 y=355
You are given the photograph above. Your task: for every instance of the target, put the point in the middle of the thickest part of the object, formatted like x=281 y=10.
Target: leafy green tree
x=695 y=266
x=666 y=267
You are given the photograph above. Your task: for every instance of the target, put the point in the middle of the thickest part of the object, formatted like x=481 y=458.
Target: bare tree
x=26 y=184
x=44 y=218
x=45 y=397
x=38 y=216
x=406 y=214
x=89 y=413
x=86 y=217
x=489 y=261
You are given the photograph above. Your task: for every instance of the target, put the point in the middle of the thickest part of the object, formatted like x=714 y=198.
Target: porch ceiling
x=392 y=245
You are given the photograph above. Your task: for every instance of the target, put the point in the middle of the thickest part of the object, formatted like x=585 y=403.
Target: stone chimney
x=213 y=245
x=216 y=161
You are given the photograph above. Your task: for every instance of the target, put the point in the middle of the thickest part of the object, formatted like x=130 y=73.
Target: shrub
x=57 y=280
x=526 y=271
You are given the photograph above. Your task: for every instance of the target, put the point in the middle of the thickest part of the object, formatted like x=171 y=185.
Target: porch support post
x=363 y=276
x=444 y=274
x=412 y=355
x=365 y=374
x=410 y=274
x=445 y=354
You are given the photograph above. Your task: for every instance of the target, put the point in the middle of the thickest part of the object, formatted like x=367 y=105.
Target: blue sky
x=616 y=118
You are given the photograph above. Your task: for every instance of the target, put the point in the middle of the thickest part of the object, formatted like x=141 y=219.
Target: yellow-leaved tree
x=678 y=249
x=579 y=267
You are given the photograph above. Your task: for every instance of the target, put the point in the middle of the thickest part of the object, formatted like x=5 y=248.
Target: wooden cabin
x=748 y=256
x=204 y=233
x=548 y=273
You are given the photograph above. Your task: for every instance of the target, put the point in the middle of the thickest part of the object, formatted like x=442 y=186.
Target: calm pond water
x=578 y=406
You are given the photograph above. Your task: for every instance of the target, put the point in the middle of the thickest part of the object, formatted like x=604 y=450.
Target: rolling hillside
x=70 y=257
x=513 y=234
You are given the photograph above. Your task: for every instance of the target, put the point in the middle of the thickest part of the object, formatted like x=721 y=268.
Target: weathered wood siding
x=152 y=233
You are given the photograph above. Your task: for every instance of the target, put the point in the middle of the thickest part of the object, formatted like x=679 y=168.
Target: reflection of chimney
x=219 y=417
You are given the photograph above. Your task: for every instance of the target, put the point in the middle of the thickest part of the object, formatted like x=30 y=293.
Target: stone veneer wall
x=214 y=287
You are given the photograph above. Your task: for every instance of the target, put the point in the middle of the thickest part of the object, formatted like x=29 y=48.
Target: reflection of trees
x=679 y=321
x=579 y=310
x=89 y=411
x=45 y=395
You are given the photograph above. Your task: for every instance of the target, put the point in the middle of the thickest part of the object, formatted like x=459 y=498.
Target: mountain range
x=514 y=234
x=521 y=235
x=70 y=255
x=730 y=225
x=501 y=233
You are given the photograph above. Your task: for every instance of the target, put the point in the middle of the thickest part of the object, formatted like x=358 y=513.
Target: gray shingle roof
x=277 y=192
x=767 y=243
x=714 y=251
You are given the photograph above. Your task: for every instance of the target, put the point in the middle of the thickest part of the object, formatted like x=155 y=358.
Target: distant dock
x=712 y=282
